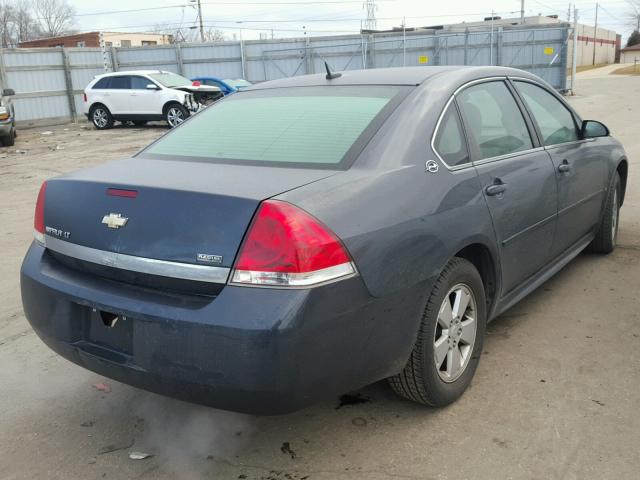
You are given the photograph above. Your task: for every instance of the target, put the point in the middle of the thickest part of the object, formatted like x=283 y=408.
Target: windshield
x=170 y=80
x=307 y=126
x=237 y=82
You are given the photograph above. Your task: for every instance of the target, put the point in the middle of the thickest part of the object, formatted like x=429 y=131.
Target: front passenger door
x=580 y=173
x=517 y=178
x=144 y=101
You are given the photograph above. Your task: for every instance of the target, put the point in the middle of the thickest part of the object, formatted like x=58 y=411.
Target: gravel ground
x=555 y=396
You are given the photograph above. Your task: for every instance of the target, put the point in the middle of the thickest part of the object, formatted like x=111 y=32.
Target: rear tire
x=101 y=117
x=449 y=342
x=10 y=139
x=605 y=240
x=175 y=114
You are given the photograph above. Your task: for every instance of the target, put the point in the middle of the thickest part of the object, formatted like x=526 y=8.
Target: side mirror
x=151 y=86
x=8 y=92
x=593 y=129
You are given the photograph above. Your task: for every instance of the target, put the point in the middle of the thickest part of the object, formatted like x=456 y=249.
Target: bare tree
x=54 y=17
x=634 y=14
x=182 y=34
x=6 y=25
x=25 y=25
x=214 y=35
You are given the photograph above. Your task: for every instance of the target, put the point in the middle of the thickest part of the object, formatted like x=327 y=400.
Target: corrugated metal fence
x=49 y=81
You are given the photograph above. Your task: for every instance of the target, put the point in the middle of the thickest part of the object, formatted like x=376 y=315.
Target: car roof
x=394 y=76
x=131 y=72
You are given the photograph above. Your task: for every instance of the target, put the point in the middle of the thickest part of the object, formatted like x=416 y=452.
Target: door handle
x=496 y=188
x=564 y=167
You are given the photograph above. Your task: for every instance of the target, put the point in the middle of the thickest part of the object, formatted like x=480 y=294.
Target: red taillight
x=196 y=83
x=84 y=97
x=285 y=246
x=38 y=219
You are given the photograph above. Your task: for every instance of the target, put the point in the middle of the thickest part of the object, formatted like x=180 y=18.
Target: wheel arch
x=483 y=259
x=98 y=104
x=623 y=171
x=167 y=104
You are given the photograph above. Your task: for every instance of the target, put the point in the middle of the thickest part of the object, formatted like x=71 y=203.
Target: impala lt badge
x=114 y=220
x=208 y=258
x=56 y=232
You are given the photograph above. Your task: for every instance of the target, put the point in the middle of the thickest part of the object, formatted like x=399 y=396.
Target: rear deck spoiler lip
x=164 y=268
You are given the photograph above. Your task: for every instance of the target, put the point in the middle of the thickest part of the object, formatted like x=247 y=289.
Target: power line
x=309 y=2
x=309 y=20
x=550 y=8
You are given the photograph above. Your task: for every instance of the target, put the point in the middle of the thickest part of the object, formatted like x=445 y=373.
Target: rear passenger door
x=579 y=171
x=516 y=175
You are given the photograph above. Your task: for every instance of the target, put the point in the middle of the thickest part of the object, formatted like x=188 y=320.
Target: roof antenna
x=330 y=74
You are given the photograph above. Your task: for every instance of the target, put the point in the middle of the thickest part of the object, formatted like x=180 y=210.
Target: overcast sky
x=286 y=18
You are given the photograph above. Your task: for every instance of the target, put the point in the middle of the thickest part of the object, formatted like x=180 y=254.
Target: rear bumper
x=253 y=350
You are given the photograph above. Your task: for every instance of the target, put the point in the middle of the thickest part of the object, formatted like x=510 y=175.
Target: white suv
x=144 y=95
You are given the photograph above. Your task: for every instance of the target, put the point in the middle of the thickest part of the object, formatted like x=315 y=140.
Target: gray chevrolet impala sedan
x=311 y=235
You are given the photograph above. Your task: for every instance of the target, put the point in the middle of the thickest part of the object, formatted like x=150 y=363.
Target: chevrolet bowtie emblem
x=114 y=220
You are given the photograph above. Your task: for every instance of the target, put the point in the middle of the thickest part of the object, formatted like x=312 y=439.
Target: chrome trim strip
x=508 y=155
x=580 y=202
x=569 y=143
x=185 y=271
x=529 y=228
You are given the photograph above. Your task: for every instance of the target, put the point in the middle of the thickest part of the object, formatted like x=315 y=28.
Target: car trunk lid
x=176 y=211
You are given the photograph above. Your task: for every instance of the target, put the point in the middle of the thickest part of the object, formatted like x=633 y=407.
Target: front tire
x=607 y=235
x=175 y=114
x=101 y=117
x=449 y=343
x=9 y=140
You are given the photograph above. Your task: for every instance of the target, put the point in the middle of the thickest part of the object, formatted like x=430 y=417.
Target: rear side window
x=494 y=122
x=450 y=142
x=555 y=121
x=102 y=84
x=120 y=82
x=307 y=126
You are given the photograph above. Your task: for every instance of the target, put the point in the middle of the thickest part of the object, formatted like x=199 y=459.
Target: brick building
x=92 y=39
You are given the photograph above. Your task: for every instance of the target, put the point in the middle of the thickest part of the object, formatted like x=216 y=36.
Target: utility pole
x=404 y=42
x=491 y=39
x=569 y=13
x=575 y=50
x=370 y=23
x=521 y=12
x=595 y=35
x=200 y=21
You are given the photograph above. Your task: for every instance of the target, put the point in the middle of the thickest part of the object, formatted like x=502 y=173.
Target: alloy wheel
x=455 y=332
x=100 y=117
x=175 y=116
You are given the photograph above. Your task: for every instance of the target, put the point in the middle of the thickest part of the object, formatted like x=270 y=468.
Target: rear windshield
x=306 y=126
